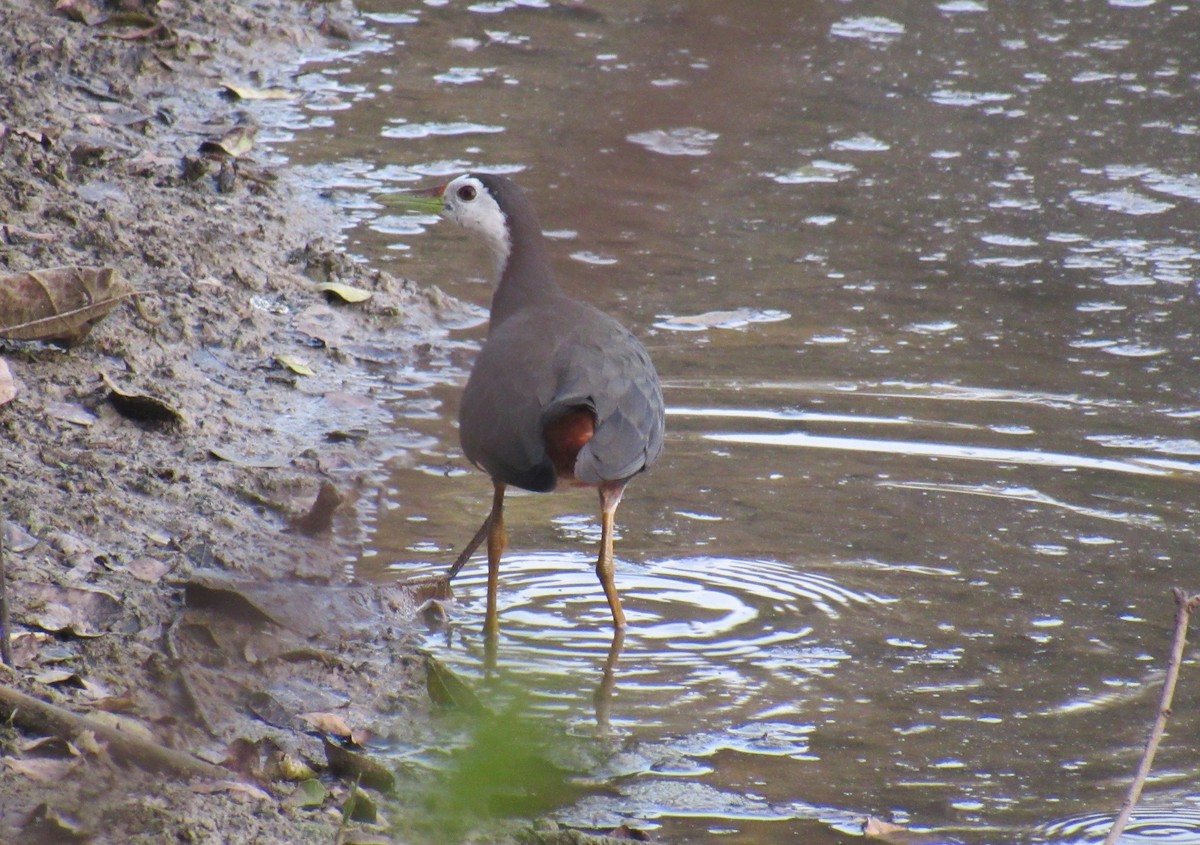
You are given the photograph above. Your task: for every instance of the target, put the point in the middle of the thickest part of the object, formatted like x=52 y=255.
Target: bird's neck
x=524 y=277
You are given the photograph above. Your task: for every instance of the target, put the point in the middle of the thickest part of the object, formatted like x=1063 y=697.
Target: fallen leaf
x=346 y=293
x=360 y=807
x=8 y=385
x=80 y=11
x=58 y=676
x=264 y=462
x=58 y=305
x=295 y=365
x=328 y=723
x=291 y=767
x=244 y=92
x=897 y=834
x=447 y=690
x=42 y=769
x=48 y=746
x=233 y=787
x=308 y=793
x=358 y=767
x=140 y=407
x=70 y=412
x=147 y=569
x=72 y=610
x=235 y=143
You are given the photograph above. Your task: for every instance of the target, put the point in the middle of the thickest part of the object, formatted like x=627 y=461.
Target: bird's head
x=489 y=206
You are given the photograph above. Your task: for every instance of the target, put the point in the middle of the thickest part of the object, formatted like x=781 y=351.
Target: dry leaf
x=43 y=769
x=328 y=723
x=58 y=305
x=70 y=412
x=147 y=569
x=8 y=385
x=234 y=787
x=243 y=92
x=447 y=690
x=80 y=11
x=309 y=793
x=74 y=610
x=234 y=143
x=295 y=365
x=358 y=767
x=140 y=407
x=346 y=293
x=265 y=462
x=897 y=834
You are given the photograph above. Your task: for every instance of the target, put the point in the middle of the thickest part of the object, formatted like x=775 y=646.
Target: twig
x=36 y=715
x=1184 y=605
x=5 y=644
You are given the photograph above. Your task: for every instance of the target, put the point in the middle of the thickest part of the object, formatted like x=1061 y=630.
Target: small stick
x=43 y=717
x=1184 y=605
x=479 y=537
x=5 y=644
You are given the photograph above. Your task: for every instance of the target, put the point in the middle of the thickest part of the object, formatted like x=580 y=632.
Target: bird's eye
x=466 y=193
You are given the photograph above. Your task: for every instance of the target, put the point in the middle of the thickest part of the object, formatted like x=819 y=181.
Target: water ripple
x=1179 y=826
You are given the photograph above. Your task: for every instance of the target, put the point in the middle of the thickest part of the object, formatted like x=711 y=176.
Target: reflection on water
x=920 y=280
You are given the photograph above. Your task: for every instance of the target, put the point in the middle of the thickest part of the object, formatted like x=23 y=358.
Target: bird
x=560 y=395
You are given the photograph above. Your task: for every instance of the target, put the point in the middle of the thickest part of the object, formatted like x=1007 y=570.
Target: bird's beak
x=427 y=200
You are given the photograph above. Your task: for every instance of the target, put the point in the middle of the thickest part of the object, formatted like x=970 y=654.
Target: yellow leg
x=496 y=541
x=610 y=497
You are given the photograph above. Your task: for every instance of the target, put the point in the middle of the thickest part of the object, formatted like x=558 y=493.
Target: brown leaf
x=73 y=610
x=140 y=407
x=233 y=787
x=80 y=11
x=328 y=723
x=42 y=769
x=233 y=144
x=147 y=569
x=58 y=305
x=249 y=461
x=446 y=690
x=8 y=384
x=358 y=767
x=245 y=92
x=70 y=412
x=896 y=834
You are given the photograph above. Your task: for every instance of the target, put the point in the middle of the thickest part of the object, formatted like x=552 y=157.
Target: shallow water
x=920 y=281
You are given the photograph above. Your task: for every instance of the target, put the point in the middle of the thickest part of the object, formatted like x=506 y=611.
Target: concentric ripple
x=708 y=629
x=1179 y=826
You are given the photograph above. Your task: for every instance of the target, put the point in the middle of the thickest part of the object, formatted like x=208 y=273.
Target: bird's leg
x=602 y=697
x=610 y=497
x=496 y=541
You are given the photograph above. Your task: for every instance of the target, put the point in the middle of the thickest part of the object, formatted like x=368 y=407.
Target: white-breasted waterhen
x=561 y=394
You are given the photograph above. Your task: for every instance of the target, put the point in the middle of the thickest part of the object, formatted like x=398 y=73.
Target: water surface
x=920 y=280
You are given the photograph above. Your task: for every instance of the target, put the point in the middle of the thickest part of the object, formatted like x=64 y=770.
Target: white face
x=471 y=205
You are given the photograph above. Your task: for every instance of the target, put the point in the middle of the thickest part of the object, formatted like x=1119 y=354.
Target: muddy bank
x=168 y=572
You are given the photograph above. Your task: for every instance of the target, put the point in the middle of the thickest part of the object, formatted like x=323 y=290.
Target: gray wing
x=608 y=370
x=543 y=362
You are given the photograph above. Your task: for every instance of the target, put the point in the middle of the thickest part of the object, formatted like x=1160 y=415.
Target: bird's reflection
x=439 y=621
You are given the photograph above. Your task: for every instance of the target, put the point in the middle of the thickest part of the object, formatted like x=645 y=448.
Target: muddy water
x=921 y=283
